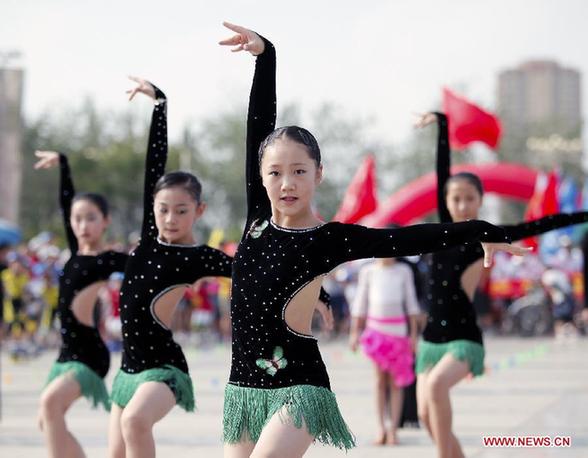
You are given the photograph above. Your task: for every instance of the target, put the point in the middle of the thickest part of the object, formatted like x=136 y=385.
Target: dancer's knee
x=437 y=389
x=51 y=405
x=134 y=427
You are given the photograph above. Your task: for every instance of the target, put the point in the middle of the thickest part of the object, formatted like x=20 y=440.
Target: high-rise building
x=11 y=126
x=539 y=103
x=539 y=92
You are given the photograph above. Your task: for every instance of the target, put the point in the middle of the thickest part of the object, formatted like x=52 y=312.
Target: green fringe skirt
x=429 y=354
x=248 y=410
x=125 y=385
x=91 y=384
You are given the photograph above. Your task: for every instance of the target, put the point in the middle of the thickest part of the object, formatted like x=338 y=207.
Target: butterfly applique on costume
x=258 y=228
x=271 y=366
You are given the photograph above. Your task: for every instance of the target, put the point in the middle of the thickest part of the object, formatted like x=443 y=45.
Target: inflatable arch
x=418 y=198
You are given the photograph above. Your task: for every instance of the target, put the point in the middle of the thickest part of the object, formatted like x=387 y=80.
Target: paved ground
x=535 y=387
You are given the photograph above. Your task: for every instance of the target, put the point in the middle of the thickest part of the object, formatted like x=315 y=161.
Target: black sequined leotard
x=156 y=267
x=273 y=263
x=451 y=313
x=81 y=343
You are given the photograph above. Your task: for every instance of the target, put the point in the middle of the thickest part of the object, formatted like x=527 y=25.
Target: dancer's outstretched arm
x=348 y=242
x=545 y=224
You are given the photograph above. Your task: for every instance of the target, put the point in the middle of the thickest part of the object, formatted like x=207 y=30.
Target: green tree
x=106 y=153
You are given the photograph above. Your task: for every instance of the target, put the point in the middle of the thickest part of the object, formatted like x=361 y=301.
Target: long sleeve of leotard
x=113 y=261
x=545 y=224
x=261 y=121
x=155 y=161
x=347 y=242
x=216 y=263
x=66 y=195
x=443 y=167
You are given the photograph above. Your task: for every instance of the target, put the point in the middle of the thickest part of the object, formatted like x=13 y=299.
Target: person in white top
x=385 y=297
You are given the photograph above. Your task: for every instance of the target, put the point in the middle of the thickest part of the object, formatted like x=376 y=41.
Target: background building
x=11 y=128
x=539 y=103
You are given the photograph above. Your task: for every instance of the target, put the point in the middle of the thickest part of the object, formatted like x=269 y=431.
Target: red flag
x=469 y=123
x=543 y=202
x=360 y=198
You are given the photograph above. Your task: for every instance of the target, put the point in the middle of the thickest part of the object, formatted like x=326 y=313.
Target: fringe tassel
x=247 y=411
x=125 y=385
x=429 y=354
x=91 y=384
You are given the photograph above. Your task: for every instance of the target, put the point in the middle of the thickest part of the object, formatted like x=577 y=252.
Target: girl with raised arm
x=278 y=399
x=452 y=343
x=154 y=374
x=83 y=360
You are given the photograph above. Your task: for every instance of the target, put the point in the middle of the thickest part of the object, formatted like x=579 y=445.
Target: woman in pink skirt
x=385 y=297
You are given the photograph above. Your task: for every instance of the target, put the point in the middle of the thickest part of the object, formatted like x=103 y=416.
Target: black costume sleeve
x=155 y=161
x=261 y=121
x=66 y=195
x=350 y=241
x=325 y=297
x=443 y=167
x=114 y=262
x=217 y=263
x=546 y=224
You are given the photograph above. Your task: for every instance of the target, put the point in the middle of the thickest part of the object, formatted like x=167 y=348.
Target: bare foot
x=381 y=439
x=391 y=438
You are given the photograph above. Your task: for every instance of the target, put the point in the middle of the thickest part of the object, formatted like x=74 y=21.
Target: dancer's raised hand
x=243 y=40
x=424 y=119
x=142 y=86
x=47 y=159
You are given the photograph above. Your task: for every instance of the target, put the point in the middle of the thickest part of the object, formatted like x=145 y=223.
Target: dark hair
x=184 y=180
x=296 y=134
x=471 y=178
x=97 y=199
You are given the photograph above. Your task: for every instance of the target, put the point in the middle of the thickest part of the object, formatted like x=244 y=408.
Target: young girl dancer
x=278 y=399
x=154 y=373
x=452 y=341
x=83 y=358
x=384 y=298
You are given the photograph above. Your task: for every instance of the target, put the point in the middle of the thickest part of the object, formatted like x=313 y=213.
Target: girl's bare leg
x=396 y=399
x=116 y=443
x=423 y=402
x=56 y=399
x=151 y=402
x=281 y=438
x=381 y=384
x=448 y=372
x=239 y=450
